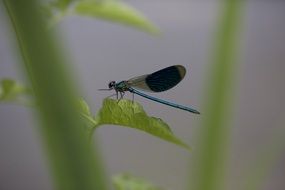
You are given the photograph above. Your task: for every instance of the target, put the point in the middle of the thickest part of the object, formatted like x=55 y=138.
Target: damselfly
x=158 y=81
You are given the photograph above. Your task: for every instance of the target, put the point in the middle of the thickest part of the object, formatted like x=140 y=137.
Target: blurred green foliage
x=73 y=164
x=109 y=10
x=115 y=11
x=211 y=155
x=129 y=182
x=11 y=91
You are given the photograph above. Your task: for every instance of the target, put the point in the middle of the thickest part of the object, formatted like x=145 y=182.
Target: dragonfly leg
x=133 y=97
x=121 y=96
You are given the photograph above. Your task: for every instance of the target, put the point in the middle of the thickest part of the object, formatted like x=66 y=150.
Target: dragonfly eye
x=111 y=84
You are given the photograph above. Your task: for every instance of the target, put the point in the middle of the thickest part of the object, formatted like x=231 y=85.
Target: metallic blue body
x=163 y=101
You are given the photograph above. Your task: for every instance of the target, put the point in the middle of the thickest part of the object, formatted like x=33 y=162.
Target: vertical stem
x=210 y=161
x=73 y=165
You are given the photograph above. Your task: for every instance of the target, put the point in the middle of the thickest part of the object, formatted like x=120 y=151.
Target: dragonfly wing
x=139 y=83
x=159 y=81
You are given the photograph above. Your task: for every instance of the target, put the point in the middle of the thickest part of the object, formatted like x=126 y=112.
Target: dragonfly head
x=112 y=84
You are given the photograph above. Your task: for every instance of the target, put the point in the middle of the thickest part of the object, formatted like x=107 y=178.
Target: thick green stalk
x=74 y=166
x=211 y=153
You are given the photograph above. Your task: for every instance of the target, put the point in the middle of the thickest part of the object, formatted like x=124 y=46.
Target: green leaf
x=83 y=106
x=115 y=11
x=86 y=114
x=131 y=114
x=129 y=182
x=110 y=10
x=10 y=90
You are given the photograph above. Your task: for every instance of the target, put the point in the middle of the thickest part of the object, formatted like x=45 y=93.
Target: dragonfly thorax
x=120 y=86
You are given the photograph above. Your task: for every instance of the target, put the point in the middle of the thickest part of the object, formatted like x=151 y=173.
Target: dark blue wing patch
x=165 y=79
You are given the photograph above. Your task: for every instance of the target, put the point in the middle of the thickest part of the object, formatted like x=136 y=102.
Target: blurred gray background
x=100 y=51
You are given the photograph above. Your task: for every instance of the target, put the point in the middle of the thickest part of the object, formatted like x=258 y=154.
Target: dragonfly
x=158 y=81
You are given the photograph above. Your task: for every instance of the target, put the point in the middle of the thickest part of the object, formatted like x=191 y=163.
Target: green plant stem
x=73 y=165
x=211 y=154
